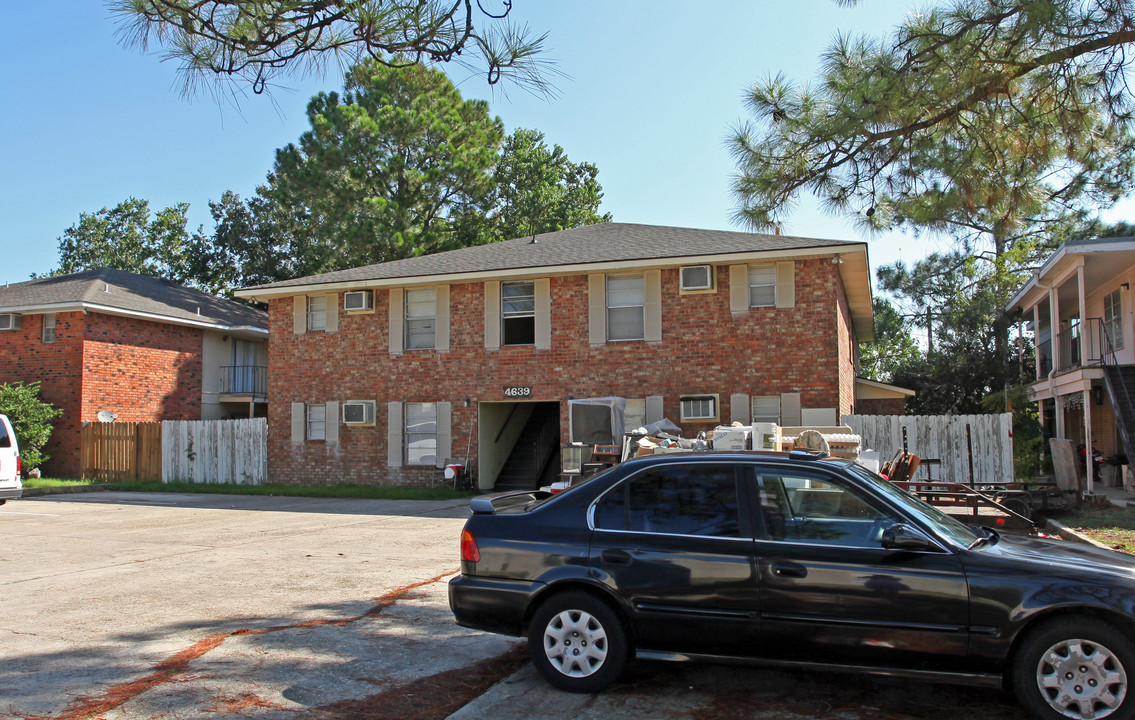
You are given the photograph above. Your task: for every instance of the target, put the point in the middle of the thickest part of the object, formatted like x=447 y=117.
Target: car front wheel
x=1076 y=668
x=577 y=642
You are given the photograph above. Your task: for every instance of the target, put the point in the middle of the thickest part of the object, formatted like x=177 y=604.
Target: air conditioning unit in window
x=10 y=321
x=697 y=277
x=358 y=300
x=358 y=412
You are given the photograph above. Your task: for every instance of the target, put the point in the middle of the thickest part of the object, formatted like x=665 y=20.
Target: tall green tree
x=31 y=418
x=893 y=349
x=129 y=237
x=256 y=43
x=388 y=170
x=537 y=189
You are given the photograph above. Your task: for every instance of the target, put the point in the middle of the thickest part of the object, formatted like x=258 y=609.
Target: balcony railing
x=1081 y=345
x=245 y=380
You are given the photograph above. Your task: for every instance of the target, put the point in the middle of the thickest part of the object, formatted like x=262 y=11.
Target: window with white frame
x=316 y=422
x=626 y=298
x=317 y=312
x=518 y=313
x=634 y=414
x=762 y=286
x=766 y=408
x=699 y=408
x=1112 y=319
x=421 y=433
x=421 y=319
x=49 y=328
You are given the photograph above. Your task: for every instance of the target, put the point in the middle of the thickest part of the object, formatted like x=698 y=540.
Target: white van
x=11 y=487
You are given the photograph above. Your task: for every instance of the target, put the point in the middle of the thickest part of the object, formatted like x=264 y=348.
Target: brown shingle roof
x=601 y=243
x=129 y=292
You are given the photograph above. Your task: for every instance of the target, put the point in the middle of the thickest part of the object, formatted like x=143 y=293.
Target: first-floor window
x=421 y=433
x=699 y=408
x=316 y=422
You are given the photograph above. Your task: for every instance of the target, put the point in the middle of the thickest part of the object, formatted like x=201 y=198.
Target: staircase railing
x=547 y=441
x=1122 y=407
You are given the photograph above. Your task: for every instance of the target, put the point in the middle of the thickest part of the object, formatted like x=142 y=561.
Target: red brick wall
x=847 y=350
x=705 y=349
x=882 y=406
x=24 y=357
x=141 y=370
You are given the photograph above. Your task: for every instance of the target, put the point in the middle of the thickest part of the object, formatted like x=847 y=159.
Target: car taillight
x=469 y=550
x=17 y=466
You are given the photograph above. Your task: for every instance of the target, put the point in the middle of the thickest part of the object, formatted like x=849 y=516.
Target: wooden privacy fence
x=988 y=447
x=215 y=451
x=121 y=451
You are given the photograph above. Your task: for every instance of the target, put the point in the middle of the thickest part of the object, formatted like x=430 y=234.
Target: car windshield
x=946 y=526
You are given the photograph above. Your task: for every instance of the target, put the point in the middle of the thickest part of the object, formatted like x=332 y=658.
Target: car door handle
x=789 y=569
x=616 y=557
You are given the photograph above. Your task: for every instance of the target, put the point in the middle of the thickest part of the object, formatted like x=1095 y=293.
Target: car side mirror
x=904 y=537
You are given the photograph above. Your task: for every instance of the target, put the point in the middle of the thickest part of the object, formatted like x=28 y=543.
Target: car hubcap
x=1081 y=679
x=575 y=643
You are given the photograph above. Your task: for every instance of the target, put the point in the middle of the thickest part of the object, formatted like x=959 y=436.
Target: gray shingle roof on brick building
x=601 y=243
x=130 y=293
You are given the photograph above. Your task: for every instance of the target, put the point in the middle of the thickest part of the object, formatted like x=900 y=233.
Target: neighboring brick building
x=460 y=354
x=141 y=347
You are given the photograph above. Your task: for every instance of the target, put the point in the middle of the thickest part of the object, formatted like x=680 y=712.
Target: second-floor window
x=518 y=313
x=625 y=302
x=1112 y=319
x=762 y=286
x=49 y=328
x=421 y=318
x=317 y=312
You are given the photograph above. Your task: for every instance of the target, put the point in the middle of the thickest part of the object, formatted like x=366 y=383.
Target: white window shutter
x=739 y=409
x=543 y=318
x=332 y=313
x=299 y=423
x=652 y=306
x=299 y=314
x=394 y=434
x=654 y=409
x=397 y=308
x=786 y=284
x=492 y=314
x=597 y=308
x=441 y=335
x=444 y=433
x=332 y=431
x=738 y=288
x=790 y=409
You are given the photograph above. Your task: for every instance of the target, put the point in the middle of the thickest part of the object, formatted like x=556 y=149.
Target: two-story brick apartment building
x=379 y=374
x=140 y=347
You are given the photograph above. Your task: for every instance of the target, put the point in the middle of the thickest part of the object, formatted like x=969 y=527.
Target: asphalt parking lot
x=121 y=605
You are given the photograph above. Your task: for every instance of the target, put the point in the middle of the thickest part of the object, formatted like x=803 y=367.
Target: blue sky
x=651 y=92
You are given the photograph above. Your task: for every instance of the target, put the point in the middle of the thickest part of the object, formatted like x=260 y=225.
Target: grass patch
x=318 y=491
x=1112 y=526
x=56 y=482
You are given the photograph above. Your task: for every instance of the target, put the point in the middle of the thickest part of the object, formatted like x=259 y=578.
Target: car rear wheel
x=1076 y=668
x=577 y=642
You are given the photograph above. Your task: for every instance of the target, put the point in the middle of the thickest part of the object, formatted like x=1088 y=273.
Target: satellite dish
x=106 y=416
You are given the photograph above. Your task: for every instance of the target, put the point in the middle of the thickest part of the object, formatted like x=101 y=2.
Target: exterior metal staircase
x=1120 y=382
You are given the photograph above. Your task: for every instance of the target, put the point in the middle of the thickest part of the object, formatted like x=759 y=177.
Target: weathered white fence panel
x=215 y=451
x=944 y=437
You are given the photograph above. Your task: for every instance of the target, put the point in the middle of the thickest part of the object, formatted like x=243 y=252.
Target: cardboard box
x=731 y=438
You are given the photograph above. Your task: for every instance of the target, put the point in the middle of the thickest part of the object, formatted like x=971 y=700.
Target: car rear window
x=681 y=500
x=5 y=440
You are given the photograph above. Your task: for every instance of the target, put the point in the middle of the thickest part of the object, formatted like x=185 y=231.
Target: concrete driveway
x=122 y=605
